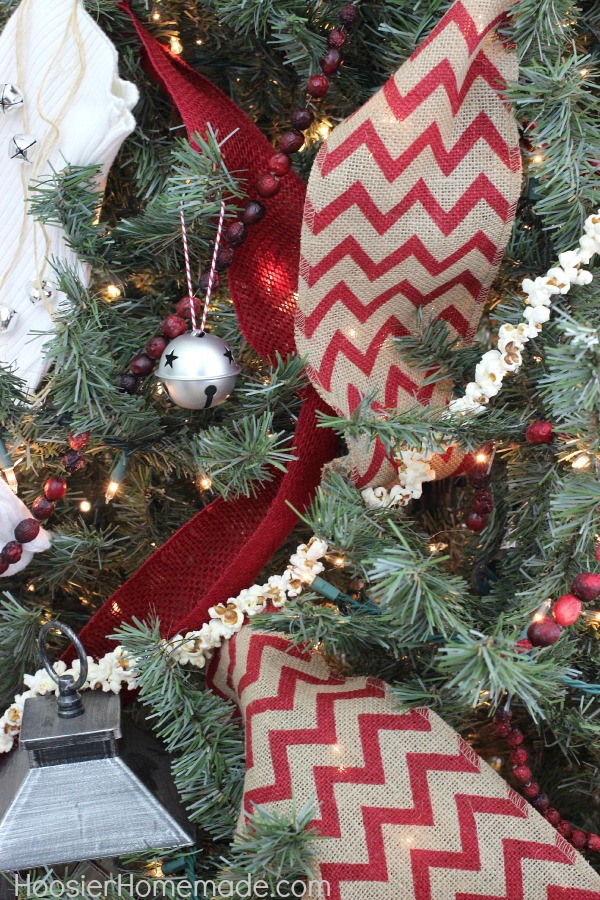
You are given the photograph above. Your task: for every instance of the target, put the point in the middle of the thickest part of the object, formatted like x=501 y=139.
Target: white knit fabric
x=48 y=58
x=79 y=111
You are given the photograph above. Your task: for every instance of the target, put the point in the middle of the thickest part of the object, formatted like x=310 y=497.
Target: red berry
x=253 y=212
x=317 y=86
x=553 y=816
x=349 y=15
x=503 y=729
x=141 y=365
x=531 y=790
x=291 y=141
x=303 y=118
x=156 y=346
x=578 y=839
x=173 y=326
x=224 y=258
x=483 y=502
x=337 y=38
x=544 y=632
x=586 y=587
x=236 y=234
x=3 y=566
x=204 y=281
x=598 y=552
x=11 y=553
x=565 y=828
x=539 y=433
x=541 y=803
x=72 y=461
x=184 y=309
x=524 y=645
x=78 y=441
x=479 y=481
x=280 y=164
x=55 y=488
x=523 y=774
x=567 y=609
x=503 y=714
x=519 y=756
x=331 y=61
x=128 y=384
x=42 y=508
x=474 y=521
x=593 y=842
x=27 y=531
x=268 y=185
x=515 y=738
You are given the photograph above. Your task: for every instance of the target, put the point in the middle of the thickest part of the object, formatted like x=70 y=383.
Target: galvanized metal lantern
x=66 y=794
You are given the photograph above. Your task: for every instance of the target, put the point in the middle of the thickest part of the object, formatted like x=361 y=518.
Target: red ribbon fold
x=223 y=548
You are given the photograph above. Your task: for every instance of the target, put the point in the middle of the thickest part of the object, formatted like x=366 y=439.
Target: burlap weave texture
x=409 y=205
x=408 y=811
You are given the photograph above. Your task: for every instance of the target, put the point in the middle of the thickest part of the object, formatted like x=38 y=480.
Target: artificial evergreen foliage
x=451 y=604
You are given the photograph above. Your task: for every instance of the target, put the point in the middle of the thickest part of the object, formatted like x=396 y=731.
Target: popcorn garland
x=117 y=669
x=413 y=464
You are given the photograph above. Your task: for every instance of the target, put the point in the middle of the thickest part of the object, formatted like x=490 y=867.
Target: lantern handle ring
x=69 y=701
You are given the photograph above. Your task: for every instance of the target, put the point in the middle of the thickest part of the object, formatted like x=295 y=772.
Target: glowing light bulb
x=538 y=158
x=85 y=506
x=176 y=45
x=154 y=869
x=205 y=483
x=584 y=72
x=339 y=562
x=156 y=16
x=113 y=291
x=111 y=491
x=481 y=457
x=116 y=477
x=31 y=587
x=324 y=130
x=581 y=462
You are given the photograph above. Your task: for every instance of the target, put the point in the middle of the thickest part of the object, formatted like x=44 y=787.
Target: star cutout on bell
x=170 y=359
x=229 y=355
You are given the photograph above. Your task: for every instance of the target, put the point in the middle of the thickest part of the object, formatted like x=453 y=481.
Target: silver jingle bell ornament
x=7 y=317
x=11 y=98
x=198 y=370
x=41 y=290
x=22 y=147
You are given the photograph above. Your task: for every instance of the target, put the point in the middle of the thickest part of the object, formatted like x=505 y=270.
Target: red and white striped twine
x=188 y=270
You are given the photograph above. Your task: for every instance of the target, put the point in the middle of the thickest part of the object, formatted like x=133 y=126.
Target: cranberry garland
x=268 y=184
x=43 y=506
x=530 y=788
x=482 y=502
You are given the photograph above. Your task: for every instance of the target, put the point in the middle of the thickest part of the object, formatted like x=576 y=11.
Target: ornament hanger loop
x=69 y=701
x=188 y=269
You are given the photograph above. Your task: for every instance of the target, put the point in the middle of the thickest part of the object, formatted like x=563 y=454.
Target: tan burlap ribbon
x=410 y=204
x=407 y=810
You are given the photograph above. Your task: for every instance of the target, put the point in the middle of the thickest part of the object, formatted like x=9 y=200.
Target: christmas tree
x=475 y=595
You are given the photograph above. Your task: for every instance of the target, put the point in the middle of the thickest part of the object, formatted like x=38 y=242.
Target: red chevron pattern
x=410 y=204
x=407 y=810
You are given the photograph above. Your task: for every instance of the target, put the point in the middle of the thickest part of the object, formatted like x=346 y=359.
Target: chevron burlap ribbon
x=407 y=810
x=410 y=204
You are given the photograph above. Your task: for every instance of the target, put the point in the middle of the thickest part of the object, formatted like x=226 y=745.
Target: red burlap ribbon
x=223 y=548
